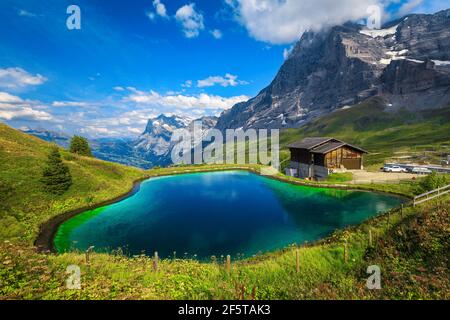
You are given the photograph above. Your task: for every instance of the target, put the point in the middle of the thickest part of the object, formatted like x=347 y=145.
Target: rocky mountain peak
x=343 y=65
x=166 y=124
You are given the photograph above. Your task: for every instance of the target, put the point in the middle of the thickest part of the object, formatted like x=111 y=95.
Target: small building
x=317 y=157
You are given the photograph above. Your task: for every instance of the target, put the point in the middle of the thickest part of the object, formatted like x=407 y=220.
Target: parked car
x=393 y=169
x=419 y=170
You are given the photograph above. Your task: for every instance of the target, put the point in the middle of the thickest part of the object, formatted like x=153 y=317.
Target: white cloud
x=190 y=20
x=150 y=15
x=279 y=22
x=25 y=13
x=129 y=123
x=216 y=33
x=15 y=108
x=69 y=104
x=13 y=78
x=187 y=84
x=228 y=81
x=118 y=88
x=9 y=98
x=97 y=132
x=421 y=6
x=201 y=101
x=160 y=8
x=287 y=52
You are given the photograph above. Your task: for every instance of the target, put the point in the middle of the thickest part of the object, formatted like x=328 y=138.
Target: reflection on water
x=218 y=214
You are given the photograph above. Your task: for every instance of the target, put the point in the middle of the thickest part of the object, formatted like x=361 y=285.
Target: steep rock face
x=347 y=64
x=155 y=146
x=416 y=85
x=425 y=36
x=325 y=70
x=155 y=140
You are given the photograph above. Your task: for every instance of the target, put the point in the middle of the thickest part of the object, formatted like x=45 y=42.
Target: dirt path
x=362 y=176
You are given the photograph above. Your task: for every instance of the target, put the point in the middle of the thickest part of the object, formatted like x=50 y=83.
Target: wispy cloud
x=228 y=80
x=287 y=52
x=187 y=84
x=201 y=101
x=13 y=78
x=216 y=33
x=25 y=13
x=70 y=104
x=421 y=6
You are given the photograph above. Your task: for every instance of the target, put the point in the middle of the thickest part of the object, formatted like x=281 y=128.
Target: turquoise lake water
x=218 y=213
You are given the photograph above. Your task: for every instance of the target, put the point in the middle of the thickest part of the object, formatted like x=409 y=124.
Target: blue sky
x=135 y=59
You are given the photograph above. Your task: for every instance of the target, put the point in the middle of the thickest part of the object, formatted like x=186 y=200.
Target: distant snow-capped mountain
x=155 y=144
x=60 y=138
x=152 y=148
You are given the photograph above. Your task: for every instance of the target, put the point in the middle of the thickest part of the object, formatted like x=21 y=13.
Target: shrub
x=56 y=175
x=80 y=145
x=433 y=181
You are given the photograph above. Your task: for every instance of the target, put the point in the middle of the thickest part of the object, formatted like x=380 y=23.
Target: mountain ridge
x=151 y=148
x=347 y=64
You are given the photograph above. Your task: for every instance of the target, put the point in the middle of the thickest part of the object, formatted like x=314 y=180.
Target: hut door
x=352 y=164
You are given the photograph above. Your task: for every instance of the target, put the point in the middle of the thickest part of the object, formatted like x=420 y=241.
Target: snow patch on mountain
x=376 y=33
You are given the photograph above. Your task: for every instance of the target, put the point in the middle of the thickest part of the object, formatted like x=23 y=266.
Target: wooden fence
x=431 y=194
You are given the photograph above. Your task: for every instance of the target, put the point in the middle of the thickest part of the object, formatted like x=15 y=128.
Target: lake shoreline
x=44 y=242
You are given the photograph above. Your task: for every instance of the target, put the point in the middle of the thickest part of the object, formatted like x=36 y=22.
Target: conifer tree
x=56 y=175
x=80 y=145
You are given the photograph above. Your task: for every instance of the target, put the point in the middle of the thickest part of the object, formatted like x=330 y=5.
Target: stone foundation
x=303 y=171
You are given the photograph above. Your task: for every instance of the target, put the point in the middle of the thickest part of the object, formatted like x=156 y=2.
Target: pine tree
x=80 y=145
x=56 y=175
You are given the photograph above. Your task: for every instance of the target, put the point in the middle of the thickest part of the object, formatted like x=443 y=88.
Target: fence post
x=88 y=254
x=345 y=252
x=297 y=261
x=228 y=264
x=370 y=238
x=401 y=211
x=388 y=218
x=155 y=261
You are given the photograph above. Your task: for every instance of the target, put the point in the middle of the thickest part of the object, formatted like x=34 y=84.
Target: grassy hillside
x=24 y=204
x=372 y=126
